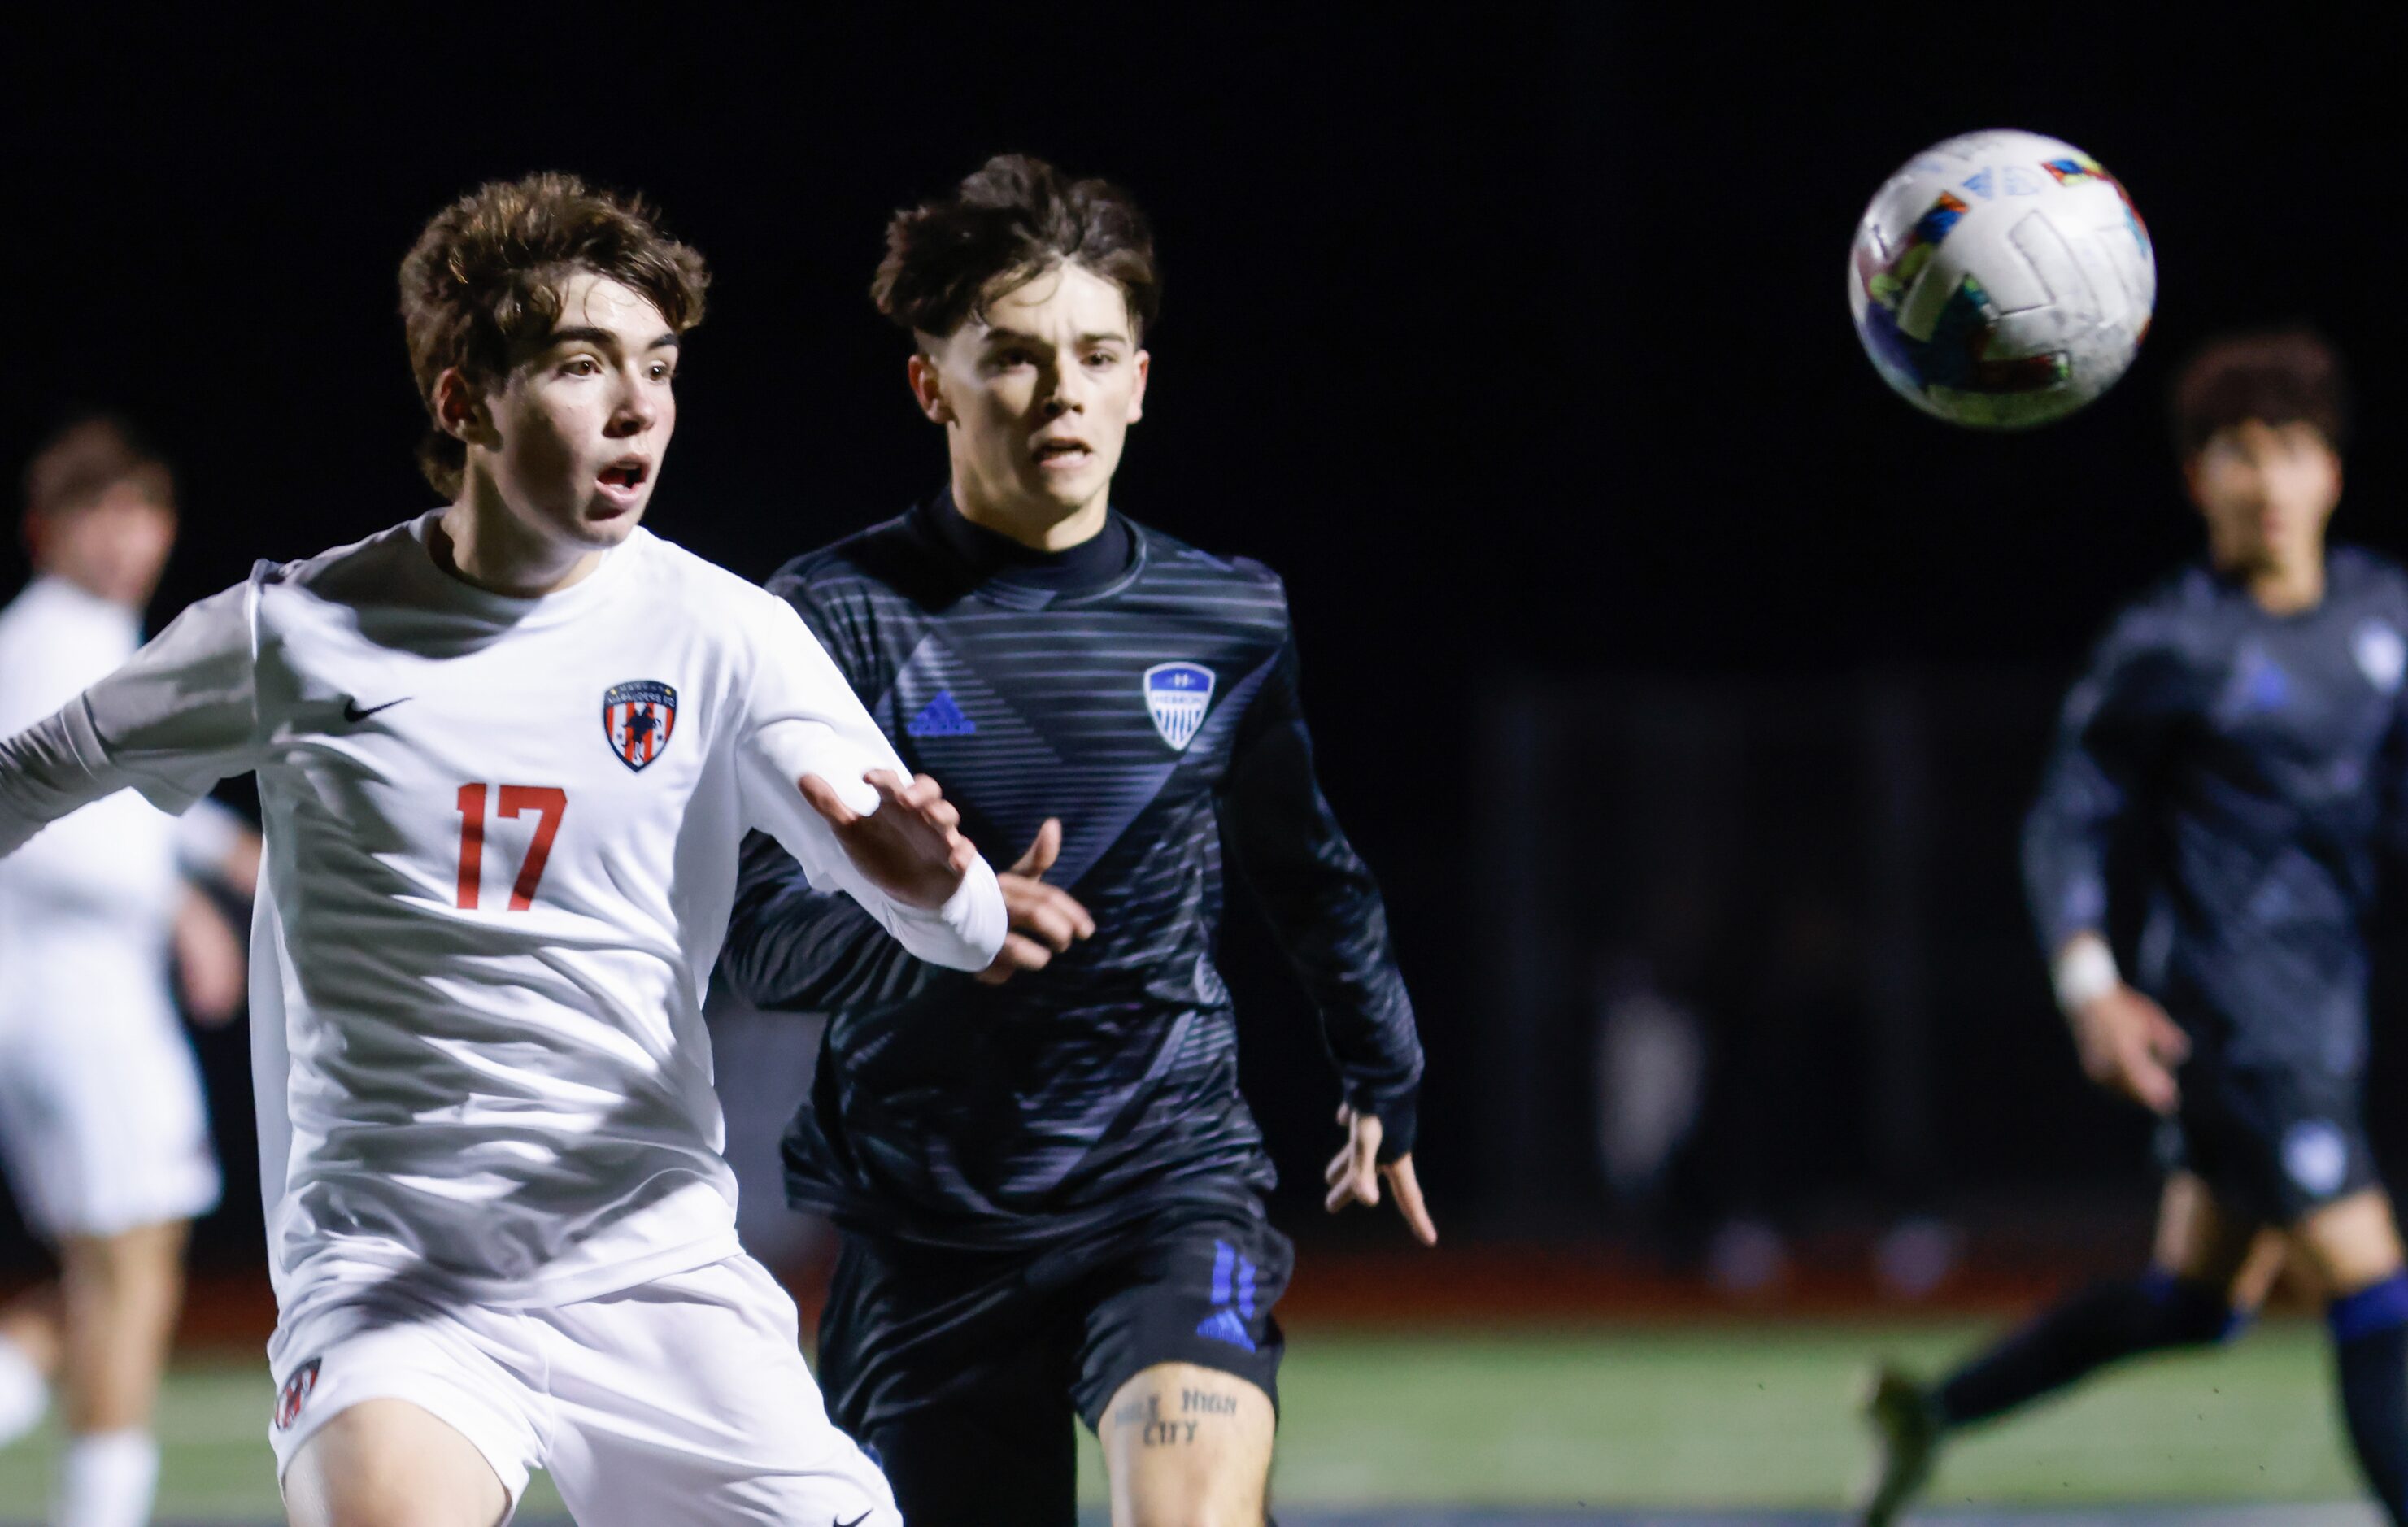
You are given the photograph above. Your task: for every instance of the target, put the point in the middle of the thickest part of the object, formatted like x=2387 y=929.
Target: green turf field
x=1694 y=1414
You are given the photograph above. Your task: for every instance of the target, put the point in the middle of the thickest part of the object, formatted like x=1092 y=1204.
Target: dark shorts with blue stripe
x=963 y=1372
x=2275 y=1143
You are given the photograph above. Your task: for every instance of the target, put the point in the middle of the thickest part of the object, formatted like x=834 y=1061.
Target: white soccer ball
x=2002 y=280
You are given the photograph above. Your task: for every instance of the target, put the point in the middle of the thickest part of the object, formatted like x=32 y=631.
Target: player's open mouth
x=1063 y=453
x=622 y=478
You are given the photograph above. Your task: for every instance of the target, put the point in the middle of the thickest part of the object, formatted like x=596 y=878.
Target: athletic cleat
x=1906 y=1427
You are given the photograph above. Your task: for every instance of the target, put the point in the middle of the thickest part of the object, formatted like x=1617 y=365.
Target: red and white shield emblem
x=296 y=1393
x=638 y=719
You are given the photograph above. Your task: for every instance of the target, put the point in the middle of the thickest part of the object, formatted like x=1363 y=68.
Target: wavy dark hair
x=482 y=286
x=1011 y=218
x=2290 y=376
x=89 y=457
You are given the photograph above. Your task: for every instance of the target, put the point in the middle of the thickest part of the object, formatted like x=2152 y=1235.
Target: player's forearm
x=965 y=933
x=1324 y=907
x=1339 y=946
x=2082 y=970
x=2065 y=844
x=1380 y=1064
x=48 y=771
x=791 y=949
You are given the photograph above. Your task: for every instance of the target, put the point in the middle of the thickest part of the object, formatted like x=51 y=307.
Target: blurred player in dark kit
x=1051 y=1188
x=2241 y=736
x=101 y=1123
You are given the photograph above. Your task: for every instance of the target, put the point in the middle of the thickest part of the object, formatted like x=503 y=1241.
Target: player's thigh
x=2202 y=1239
x=457 y=1385
x=1002 y=1455
x=391 y=1464
x=1188 y=1446
x=1179 y=1371
x=954 y=1371
x=2350 y=1244
x=686 y=1400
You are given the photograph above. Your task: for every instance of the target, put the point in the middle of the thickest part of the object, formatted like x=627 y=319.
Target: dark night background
x=1514 y=335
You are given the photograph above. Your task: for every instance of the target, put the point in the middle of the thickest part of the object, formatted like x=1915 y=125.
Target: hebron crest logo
x=637 y=720
x=2382 y=656
x=1233 y=1283
x=2316 y=1155
x=296 y=1393
x=1178 y=695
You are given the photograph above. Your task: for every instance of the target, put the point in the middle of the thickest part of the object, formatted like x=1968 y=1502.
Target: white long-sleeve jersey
x=113 y=871
x=502 y=840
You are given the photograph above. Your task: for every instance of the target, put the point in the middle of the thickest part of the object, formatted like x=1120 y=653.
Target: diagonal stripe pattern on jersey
x=1104 y=1086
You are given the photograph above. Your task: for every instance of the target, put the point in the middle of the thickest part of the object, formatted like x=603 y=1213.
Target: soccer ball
x=2002 y=280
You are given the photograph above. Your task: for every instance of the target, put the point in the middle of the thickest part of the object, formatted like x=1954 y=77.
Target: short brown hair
x=79 y=466
x=1009 y=220
x=2274 y=376
x=482 y=285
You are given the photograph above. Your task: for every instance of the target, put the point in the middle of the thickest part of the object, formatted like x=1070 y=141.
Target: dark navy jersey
x=1145 y=693
x=2251 y=764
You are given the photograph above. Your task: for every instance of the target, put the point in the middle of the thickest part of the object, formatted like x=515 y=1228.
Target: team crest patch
x=296 y=1393
x=1178 y=695
x=2316 y=1157
x=2382 y=656
x=638 y=719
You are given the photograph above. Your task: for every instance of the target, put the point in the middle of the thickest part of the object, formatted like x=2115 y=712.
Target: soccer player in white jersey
x=102 y=1126
x=505 y=754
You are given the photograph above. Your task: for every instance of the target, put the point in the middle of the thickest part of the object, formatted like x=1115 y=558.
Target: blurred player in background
x=101 y=1119
x=2242 y=735
x=506 y=754
x=1051 y=1190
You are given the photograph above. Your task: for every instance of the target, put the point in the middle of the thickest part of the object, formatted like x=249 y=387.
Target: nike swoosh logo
x=855 y=1522
x=354 y=714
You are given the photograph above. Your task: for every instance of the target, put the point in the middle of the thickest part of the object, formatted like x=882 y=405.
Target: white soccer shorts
x=681 y=1401
x=101 y=1120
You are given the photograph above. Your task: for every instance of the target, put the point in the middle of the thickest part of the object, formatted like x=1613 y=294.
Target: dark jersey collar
x=1093 y=564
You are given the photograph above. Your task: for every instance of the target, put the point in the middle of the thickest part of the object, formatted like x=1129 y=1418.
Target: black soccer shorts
x=962 y=1372
x=2274 y=1143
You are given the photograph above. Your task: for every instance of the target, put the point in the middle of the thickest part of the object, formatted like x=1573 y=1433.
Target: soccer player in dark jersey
x=2241 y=734
x=1051 y=1191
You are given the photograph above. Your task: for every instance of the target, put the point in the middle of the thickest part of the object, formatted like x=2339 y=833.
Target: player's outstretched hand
x=211 y=966
x=2129 y=1045
x=1045 y=920
x=1354 y=1173
x=910 y=847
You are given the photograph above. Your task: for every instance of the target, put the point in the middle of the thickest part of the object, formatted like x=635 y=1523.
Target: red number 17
x=548 y=802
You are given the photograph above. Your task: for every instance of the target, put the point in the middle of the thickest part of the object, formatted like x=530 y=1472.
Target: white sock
x=24 y=1396
x=106 y=1479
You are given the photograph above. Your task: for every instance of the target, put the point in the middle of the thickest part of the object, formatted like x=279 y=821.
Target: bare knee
x=390 y=1463
x=2351 y=1245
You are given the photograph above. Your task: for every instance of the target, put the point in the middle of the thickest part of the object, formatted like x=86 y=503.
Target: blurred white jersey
x=114 y=863
x=101 y=1118
x=502 y=840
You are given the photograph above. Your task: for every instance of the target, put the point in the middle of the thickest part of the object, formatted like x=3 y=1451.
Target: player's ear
x=929 y=387
x=460 y=409
x=1144 y=364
